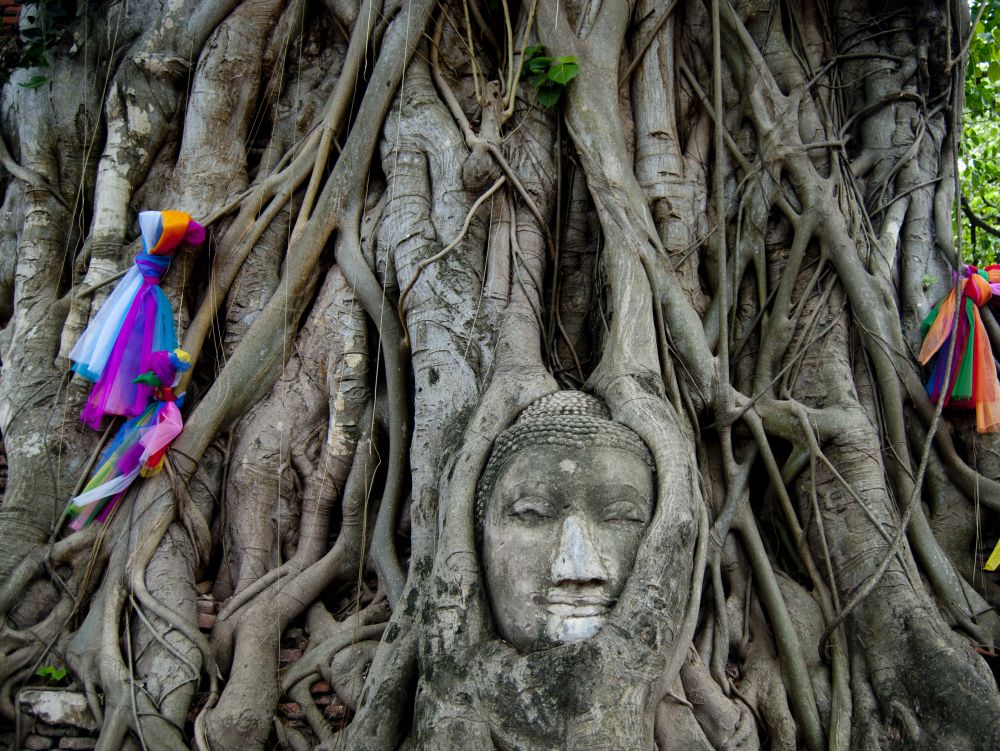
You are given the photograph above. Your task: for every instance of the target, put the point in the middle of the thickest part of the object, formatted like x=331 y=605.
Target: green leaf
x=34 y=82
x=564 y=69
x=533 y=51
x=50 y=672
x=549 y=93
x=980 y=28
x=539 y=64
x=994 y=71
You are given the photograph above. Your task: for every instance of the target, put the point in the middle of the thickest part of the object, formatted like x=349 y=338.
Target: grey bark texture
x=727 y=229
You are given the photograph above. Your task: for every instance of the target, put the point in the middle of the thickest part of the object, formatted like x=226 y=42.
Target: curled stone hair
x=566 y=418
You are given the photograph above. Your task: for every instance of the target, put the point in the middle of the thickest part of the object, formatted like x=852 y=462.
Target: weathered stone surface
x=57 y=707
x=57 y=731
x=79 y=744
x=36 y=743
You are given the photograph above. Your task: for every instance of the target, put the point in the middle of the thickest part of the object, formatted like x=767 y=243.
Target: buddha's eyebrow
x=625 y=492
x=523 y=487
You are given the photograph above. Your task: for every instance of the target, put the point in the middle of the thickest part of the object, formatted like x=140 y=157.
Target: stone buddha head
x=562 y=506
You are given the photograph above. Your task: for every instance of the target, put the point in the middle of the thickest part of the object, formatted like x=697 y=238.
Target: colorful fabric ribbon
x=973 y=381
x=139 y=445
x=135 y=322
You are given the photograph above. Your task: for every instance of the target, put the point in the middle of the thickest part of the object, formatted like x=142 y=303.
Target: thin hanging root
x=201 y=324
x=137 y=581
x=722 y=282
x=131 y=682
x=338 y=106
x=720 y=634
x=472 y=140
x=476 y=73
x=515 y=75
x=401 y=306
x=800 y=690
x=369 y=293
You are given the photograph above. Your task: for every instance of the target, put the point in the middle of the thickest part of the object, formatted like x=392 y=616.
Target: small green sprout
x=51 y=673
x=549 y=75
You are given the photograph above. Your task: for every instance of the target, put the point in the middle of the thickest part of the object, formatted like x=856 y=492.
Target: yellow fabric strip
x=175 y=224
x=994 y=561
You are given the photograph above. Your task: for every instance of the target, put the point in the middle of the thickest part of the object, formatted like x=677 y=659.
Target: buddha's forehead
x=556 y=458
x=563 y=470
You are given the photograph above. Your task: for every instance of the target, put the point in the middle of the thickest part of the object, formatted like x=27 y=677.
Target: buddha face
x=559 y=537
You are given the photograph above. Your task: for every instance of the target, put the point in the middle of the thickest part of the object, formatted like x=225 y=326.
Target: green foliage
x=980 y=158
x=549 y=75
x=51 y=673
x=983 y=73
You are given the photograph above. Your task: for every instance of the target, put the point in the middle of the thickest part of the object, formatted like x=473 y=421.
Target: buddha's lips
x=577 y=605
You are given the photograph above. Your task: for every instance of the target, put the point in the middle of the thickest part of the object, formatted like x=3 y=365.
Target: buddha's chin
x=566 y=629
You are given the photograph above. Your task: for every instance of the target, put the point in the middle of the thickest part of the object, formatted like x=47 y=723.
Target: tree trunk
x=433 y=227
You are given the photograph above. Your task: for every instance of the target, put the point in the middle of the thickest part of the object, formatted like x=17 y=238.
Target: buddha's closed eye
x=625 y=511
x=531 y=508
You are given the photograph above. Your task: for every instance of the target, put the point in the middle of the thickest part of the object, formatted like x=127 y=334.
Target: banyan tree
x=556 y=375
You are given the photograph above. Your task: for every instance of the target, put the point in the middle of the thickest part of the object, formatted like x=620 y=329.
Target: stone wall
x=52 y=718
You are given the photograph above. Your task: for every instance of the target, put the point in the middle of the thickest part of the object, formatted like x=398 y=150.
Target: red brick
x=320 y=687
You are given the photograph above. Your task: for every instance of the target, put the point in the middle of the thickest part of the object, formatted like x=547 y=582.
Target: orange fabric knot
x=978 y=290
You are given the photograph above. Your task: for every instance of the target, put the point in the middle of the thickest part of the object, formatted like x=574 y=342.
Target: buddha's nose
x=578 y=560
